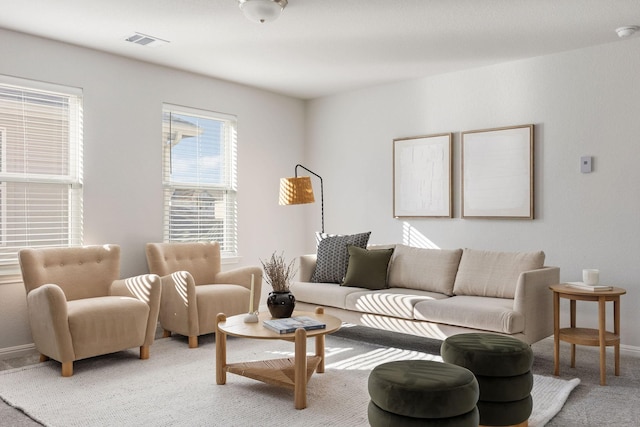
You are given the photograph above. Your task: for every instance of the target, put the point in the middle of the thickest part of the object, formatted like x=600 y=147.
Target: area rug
x=177 y=387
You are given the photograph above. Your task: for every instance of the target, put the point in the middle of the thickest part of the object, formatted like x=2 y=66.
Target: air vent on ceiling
x=145 y=40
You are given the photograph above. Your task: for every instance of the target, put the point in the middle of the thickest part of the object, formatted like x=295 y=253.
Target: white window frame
x=3 y=188
x=224 y=210
x=73 y=235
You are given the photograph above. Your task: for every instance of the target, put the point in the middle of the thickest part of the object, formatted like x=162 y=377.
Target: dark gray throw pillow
x=367 y=268
x=333 y=256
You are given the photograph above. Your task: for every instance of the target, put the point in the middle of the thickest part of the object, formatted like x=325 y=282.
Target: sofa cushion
x=431 y=270
x=333 y=257
x=322 y=294
x=489 y=314
x=394 y=302
x=367 y=268
x=493 y=274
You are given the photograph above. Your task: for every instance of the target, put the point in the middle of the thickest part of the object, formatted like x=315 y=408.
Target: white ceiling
x=322 y=47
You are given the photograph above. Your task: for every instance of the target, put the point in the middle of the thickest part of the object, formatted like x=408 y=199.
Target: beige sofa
x=437 y=293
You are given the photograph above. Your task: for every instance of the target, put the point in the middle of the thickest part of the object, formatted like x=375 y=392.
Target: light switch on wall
x=585 y=164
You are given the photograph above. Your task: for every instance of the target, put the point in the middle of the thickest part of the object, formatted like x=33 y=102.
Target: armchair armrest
x=534 y=299
x=239 y=276
x=242 y=276
x=147 y=289
x=307 y=267
x=178 y=304
x=48 y=318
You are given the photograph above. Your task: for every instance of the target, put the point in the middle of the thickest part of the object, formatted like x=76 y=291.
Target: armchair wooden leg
x=144 y=352
x=193 y=342
x=43 y=358
x=166 y=334
x=67 y=369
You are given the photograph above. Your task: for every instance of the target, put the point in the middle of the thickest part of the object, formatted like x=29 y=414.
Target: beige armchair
x=195 y=290
x=79 y=308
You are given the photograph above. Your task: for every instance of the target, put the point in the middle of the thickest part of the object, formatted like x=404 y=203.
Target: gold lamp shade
x=296 y=191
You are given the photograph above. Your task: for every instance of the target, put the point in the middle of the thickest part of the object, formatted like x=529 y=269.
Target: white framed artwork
x=422 y=172
x=497 y=173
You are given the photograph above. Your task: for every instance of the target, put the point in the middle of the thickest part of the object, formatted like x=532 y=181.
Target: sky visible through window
x=198 y=158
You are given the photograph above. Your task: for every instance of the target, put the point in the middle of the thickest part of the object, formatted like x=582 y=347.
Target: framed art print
x=497 y=173
x=422 y=169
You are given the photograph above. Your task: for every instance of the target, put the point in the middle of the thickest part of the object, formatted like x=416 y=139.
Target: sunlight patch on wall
x=412 y=237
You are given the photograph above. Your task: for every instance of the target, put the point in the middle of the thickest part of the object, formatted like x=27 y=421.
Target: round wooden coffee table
x=281 y=372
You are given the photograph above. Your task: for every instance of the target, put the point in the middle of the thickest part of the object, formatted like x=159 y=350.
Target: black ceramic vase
x=281 y=304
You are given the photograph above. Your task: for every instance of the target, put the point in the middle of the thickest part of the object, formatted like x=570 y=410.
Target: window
x=199 y=177
x=40 y=167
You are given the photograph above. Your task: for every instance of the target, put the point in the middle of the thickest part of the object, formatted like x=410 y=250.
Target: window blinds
x=40 y=167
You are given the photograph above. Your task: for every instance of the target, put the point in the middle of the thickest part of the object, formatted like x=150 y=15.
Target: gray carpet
x=588 y=405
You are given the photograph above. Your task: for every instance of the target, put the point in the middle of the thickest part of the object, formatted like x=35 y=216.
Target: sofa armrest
x=147 y=289
x=242 y=276
x=534 y=299
x=47 y=306
x=307 y=267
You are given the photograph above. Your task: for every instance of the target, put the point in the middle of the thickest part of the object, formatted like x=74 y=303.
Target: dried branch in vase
x=278 y=273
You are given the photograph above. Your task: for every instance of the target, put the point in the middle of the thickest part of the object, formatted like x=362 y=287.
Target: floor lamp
x=298 y=190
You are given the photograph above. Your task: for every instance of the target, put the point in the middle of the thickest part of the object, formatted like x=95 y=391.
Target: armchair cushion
x=81 y=272
x=96 y=323
x=200 y=259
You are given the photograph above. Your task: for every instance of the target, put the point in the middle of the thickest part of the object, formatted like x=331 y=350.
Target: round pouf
x=422 y=393
x=502 y=367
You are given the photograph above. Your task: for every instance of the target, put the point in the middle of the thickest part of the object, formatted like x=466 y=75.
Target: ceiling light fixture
x=626 y=31
x=262 y=11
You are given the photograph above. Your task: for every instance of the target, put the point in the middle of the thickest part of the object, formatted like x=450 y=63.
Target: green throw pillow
x=367 y=268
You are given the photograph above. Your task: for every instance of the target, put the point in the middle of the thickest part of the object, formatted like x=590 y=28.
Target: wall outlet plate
x=585 y=164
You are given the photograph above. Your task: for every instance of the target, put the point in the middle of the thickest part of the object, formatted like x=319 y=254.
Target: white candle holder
x=251 y=317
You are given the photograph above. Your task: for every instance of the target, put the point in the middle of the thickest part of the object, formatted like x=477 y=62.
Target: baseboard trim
x=630 y=350
x=16 y=351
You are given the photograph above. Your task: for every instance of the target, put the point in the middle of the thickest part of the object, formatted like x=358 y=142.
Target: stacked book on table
x=593 y=288
x=290 y=324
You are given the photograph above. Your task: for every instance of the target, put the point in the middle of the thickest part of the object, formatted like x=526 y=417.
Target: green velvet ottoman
x=410 y=393
x=502 y=367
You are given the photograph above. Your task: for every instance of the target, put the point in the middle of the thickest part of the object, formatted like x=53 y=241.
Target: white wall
x=584 y=102
x=122 y=154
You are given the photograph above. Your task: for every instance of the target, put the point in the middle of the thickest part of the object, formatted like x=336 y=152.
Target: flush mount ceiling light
x=262 y=10
x=626 y=31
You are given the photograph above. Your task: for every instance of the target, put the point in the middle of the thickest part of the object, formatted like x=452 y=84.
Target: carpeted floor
x=588 y=405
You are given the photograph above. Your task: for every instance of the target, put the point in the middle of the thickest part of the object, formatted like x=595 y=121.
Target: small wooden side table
x=587 y=336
